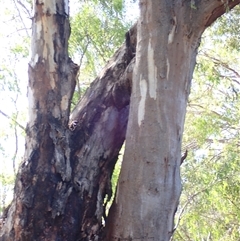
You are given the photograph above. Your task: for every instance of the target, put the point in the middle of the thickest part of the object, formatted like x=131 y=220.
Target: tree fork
x=65 y=175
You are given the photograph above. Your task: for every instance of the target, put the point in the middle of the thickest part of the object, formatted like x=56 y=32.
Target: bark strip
x=98 y=125
x=66 y=173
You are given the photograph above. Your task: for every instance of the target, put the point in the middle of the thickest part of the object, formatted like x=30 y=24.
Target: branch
x=25 y=8
x=16 y=149
x=20 y=16
x=214 y=9
x=225 y=65
x=10 y=118
x=189 y=200
x=79 y=72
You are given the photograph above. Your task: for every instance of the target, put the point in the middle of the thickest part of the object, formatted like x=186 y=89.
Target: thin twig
x=20 y=16
x=24 y=7
x=16 y=149
x=80 y=64
x=10 y=118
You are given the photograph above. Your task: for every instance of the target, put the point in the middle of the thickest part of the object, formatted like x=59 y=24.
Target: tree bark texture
x=149 y=186
x=65 y=176
x=66 y=173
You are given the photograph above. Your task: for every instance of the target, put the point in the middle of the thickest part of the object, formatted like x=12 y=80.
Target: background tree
x=98 y=29
x=15 y=40
x=210 y=174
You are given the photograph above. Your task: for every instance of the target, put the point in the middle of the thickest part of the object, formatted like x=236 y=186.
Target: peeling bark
x=67 y=169
x=100 y=122
x=65 y=176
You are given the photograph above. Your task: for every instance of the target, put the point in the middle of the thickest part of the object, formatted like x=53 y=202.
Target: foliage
x=209 y=208
x=15 y=41
x=98 y=29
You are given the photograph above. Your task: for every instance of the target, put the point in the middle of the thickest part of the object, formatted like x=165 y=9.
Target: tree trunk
x=149 y=186
x=65 y=176
x=68 y=164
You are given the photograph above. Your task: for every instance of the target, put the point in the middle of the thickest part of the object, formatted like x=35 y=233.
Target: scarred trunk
x=66 y=172
x=43 y=184
x=65 y=176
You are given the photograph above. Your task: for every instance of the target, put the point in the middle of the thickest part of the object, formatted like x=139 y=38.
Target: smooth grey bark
x=149 y=186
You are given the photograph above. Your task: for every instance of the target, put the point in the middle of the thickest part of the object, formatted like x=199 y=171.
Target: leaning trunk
x=149 y=186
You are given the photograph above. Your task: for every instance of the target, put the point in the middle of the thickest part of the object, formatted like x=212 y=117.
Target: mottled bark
x=99 y=124
x=149 y=186
x=65 y=176
x=66 y=172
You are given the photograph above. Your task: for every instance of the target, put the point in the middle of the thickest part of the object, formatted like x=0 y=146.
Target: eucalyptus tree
x=64 y=180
